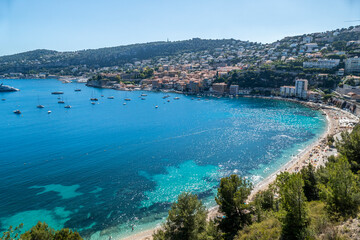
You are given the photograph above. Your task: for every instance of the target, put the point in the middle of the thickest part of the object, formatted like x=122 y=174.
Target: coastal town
x=314 y=67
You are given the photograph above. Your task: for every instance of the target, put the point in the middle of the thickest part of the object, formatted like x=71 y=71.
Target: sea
x=103 y=169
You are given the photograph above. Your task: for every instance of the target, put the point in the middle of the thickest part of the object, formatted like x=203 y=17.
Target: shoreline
x=318 y=149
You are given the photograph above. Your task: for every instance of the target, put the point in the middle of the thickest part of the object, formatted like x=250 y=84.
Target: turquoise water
x=102 y=168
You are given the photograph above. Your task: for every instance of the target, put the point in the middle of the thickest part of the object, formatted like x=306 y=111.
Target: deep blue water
x=101 y=168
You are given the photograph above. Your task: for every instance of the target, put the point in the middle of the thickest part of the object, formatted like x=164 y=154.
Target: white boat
x=67 y=106
x=176 y=98
x=124 y=103
x=156 y=106
x=17 y=112
x=5 y=88
x=49 y=112
x=111 y=97
x=40 y=106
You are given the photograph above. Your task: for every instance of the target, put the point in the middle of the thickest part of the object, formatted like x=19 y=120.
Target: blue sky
x=82 y=24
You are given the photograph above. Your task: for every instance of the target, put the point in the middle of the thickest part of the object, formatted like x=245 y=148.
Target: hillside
x=105 y=57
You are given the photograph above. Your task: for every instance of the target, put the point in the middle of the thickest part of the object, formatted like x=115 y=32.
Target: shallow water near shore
x=101 y=169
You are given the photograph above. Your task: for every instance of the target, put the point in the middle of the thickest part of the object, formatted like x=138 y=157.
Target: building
x=313 y=96
x=301 y=87
x=352 y=65
x=219 y=88
x=322 y=63
x=287 y=91
x=234 y=89
x=307 y=39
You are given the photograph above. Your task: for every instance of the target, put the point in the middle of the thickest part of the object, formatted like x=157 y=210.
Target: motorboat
x=17 y=112
x=57 y=93
x=40 y=106
x=5 y=88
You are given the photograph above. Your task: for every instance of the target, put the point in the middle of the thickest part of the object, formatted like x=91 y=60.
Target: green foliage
x=12 y=233
x=311 y=189
x=349 y=147
x=341 y=191
x=212 y=232
x=66 y=234
x=293 y=201
x=41 y=231
x=264 y=201
x=186 y=220
x=268 y=229
x=319 y=220
x=339 y=45
x=147 y=73
x=231 y=198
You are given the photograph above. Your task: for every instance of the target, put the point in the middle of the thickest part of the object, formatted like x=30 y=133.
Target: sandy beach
x=317 y=153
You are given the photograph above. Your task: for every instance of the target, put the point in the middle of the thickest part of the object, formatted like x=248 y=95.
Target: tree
x=12 y=233
x=293 y=201
x=231 y=198
x=264 y=201
x=67 y=234
x=349 y=147
x=311 y=189
x=41 y=231
x=186 y=220
x=341 y=192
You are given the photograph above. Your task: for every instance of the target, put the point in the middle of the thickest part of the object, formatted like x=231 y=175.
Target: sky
x=68 y=25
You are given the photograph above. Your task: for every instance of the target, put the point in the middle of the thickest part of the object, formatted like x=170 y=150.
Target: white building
x=287 y=91
x=352 y=65
x=307 y=39
x=311 y=47
x=301 y=87
x=322 y=63
x=234 y=89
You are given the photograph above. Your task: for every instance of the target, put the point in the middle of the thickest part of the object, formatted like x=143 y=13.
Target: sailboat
x=39 y=105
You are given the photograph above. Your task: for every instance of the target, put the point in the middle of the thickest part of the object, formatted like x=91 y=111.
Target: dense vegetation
x=310 y=204
x=53 y=61
x=41 y=231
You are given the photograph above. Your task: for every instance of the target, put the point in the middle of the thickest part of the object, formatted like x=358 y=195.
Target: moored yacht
x=5 y=88
x=57 y=93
